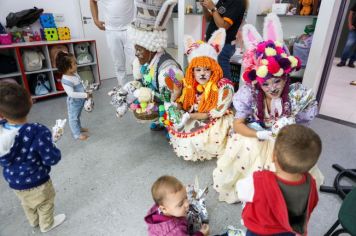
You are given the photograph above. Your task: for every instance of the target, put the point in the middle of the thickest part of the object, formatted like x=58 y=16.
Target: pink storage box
x=5 y=39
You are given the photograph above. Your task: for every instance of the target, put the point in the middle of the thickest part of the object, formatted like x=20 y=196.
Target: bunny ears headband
x=268 y=57
x=149 y=26
x=210 y=49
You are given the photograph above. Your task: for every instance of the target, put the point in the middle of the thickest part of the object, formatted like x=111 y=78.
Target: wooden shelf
x=10 y=75
x=18 y=48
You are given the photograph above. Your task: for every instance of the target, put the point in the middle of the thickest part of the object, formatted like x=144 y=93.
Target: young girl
x=169 y=214
x=74 y=88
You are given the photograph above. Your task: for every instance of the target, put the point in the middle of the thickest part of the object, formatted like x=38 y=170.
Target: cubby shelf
x=17 y=49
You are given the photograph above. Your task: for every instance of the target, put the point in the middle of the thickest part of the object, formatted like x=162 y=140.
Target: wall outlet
x=58 y=17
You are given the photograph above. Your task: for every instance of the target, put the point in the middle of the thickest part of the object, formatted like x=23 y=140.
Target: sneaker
x=341 y=63
x=351 y=65
x=58 y=219
x=353 y=83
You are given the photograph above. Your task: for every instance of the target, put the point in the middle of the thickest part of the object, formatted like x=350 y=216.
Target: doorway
x=336 y=95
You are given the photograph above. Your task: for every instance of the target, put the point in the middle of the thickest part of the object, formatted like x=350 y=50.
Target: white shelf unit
x=23 y=77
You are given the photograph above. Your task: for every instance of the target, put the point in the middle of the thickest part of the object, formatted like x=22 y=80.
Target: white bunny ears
x=272 y=30
x=165 y=14
x=200 y=49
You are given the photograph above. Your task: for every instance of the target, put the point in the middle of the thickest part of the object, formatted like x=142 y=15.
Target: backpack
x=39 y=84
x=23 y=18
x=32 y=60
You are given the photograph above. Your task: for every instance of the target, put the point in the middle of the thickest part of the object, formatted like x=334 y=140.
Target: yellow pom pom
x=278 y=44
x=293 y=61
x=199 y=42
x=264 y=62
x=270 y=52
x=262 y=71
x=284 y=55
x=200 y=88
x=279 y=73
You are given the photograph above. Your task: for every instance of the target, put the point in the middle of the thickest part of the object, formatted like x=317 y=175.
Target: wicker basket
x=146 y=116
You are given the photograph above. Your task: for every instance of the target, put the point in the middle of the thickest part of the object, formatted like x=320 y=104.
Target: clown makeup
x=202 y=74
x=143 y=55
x=273 y=87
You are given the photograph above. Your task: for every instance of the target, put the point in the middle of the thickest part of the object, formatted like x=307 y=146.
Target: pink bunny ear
x=188 y=42
x=217 y=40
x=272 y=29
x=250 y=36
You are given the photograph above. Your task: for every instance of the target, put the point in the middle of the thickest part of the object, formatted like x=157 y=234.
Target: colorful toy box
x=47 y=20
x=64 y=33
x=51 y=34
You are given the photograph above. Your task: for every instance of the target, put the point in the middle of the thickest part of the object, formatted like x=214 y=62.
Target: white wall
x=321 y=42
x=69 y=8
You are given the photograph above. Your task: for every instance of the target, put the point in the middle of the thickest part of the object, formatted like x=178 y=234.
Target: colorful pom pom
x=262 y=71
x=270 y=52
x=279 y=73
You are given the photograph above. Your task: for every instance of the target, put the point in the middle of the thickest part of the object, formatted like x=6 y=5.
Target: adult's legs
x=224 y=59
x=116 y=48
x=347 y=52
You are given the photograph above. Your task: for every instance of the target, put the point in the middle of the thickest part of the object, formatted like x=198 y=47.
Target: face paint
x=273 y=87
x=202 y=74
x=143 y=55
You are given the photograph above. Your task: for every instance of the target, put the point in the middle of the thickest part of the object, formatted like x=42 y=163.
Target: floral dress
x=205 y=139
x=244 y=155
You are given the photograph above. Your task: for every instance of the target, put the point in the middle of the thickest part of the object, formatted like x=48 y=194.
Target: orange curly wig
x=209 y=99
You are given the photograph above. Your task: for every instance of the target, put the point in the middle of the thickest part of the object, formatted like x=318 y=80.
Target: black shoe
x=341 y=63
x=351 y=65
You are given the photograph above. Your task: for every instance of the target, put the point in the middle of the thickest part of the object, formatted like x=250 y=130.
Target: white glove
x=184 y=120
x=264 y=135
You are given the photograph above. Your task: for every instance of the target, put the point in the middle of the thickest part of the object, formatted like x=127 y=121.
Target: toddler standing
x=281 y=203
x=73 y=86
x=169 y=214
x=27 y=154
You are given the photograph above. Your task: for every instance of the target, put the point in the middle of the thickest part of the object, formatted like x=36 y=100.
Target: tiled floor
x=340 y=97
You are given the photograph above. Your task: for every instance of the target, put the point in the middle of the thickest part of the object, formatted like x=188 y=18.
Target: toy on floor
x=198 y=214
x=121 y=98
x=58 y=129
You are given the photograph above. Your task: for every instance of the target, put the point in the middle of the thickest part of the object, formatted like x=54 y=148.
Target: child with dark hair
x=169 y=214
x=281 y=202
x=72 y=84
x=27 y=153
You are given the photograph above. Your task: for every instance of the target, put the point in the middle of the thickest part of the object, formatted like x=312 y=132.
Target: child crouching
x=169 y=214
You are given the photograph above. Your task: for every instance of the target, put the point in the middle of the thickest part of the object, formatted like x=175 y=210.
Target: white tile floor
x=339 y=100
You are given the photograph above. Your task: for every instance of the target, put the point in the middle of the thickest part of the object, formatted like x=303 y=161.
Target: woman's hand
x=264 y=135
x=199 y=116
x=205 y=229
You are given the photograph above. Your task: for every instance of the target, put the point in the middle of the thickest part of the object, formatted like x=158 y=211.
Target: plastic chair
x=347 y=212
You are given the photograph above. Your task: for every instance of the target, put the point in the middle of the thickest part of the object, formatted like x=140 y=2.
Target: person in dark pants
x=226 y=14
x=348 y=53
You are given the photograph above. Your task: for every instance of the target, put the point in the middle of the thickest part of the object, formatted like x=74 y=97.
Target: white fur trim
x=277 y=33
x=166 y=11
x=218 y=38
x=154 y=41
x=250 y=36
x=136 y=69
x=206 y=49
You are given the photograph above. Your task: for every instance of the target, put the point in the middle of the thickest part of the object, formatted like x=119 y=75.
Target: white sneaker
x=58 y=219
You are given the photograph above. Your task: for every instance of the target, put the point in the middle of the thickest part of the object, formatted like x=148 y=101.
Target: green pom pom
x=161 y=108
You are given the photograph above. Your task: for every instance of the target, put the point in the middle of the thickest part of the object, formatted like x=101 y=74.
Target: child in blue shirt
x=27 y=153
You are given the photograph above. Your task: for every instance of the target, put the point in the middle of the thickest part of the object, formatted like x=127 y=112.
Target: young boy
x=281 y=203
x=169 y=214
x=27 y=154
